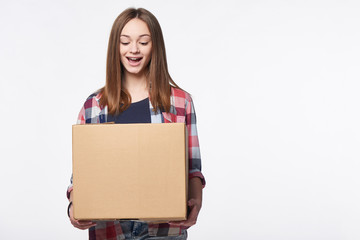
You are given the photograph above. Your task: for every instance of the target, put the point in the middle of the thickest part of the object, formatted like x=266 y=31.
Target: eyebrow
x=143 y=35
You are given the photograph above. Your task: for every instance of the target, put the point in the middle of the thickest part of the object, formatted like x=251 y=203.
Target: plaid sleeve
x=81 y=116
x=193 y=140
x=80 y=120
x=89 y=113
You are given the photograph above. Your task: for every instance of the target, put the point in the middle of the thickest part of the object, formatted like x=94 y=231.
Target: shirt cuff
x=199 y=175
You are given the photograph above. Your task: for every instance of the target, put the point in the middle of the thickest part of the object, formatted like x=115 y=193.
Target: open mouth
x=134 y=60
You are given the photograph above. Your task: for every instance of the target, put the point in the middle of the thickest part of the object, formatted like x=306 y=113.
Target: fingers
x=192 y=217
x=191 y=202
x=177 y=223
x=80 y=224
x=191 y=220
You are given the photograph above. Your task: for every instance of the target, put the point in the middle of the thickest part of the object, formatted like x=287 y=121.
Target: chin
x=139 y=70
x=135 y=72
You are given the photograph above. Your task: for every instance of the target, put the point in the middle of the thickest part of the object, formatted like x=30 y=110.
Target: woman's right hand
x=80 y=224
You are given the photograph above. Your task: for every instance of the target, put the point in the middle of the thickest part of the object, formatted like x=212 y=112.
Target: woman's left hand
x=194 y=204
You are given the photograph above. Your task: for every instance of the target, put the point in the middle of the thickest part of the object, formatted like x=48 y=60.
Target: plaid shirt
x=181 y=110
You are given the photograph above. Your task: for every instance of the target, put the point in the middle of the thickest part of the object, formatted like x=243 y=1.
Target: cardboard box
x=130 y=171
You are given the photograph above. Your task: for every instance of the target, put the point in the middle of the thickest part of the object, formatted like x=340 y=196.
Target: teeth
x=134 y=59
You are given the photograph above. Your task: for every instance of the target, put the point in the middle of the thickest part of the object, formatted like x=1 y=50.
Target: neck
x=137 y=86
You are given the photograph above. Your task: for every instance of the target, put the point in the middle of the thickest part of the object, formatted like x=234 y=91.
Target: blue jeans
x=139 y=231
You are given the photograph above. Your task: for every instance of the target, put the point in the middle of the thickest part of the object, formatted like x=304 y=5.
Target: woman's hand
x=194 y=204
x=80 y=224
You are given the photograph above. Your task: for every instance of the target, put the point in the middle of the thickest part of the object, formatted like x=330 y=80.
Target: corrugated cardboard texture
x=130 y=171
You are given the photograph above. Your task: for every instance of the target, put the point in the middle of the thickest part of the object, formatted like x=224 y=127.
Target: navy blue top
x=137 y=112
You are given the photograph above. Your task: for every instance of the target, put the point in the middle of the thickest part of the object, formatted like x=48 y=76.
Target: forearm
x=195 y=189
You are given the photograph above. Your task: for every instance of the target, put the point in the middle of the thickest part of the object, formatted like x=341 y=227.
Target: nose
x=134 y=48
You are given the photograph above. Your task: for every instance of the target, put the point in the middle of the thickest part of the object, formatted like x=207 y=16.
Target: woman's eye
x=144 y=43
x=125 y=43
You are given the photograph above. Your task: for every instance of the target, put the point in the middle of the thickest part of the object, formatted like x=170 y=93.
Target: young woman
x=139 y=89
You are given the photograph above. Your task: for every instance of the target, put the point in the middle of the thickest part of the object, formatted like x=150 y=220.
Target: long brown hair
x=113 y=94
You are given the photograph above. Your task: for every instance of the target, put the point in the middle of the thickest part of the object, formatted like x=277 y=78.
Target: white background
x=276 y=90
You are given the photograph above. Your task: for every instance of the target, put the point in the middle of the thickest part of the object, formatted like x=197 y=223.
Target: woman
x=139 y=89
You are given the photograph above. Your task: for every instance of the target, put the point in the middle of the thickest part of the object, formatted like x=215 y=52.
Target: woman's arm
x=194 y=203
x=89 y=103
x=76 y=223
x=196 y=179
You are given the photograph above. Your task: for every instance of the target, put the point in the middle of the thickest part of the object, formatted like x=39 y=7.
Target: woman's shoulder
x=93 y=100
x=180 y=93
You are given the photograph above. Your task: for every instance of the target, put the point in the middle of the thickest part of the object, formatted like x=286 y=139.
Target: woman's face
x=135 y=46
